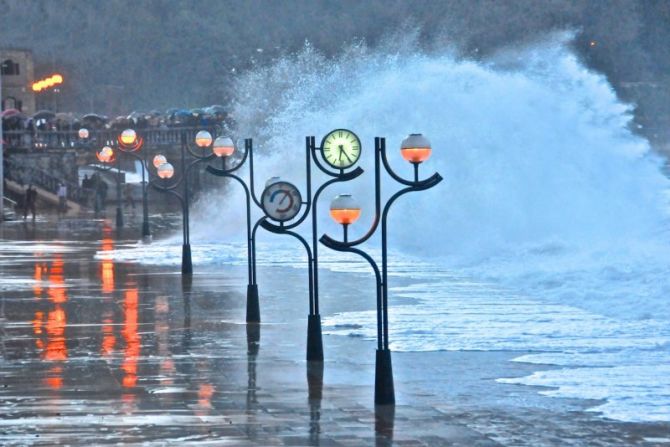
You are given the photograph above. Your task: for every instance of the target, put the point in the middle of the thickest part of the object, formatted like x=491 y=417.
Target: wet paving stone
x=101 y=352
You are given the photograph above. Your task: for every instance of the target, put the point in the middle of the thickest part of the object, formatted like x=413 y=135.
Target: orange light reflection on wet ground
x=56 y=348
x=107 y=267
x=131 y=337
x=56 y=291
x=54 y=378
x=108 y=338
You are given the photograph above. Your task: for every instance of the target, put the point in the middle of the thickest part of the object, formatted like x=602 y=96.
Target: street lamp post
x=314 y=332
x=106 y=155
x=224 y=148
x=345 y=211
x=165 y=171
x=131 y=143
x=340 y=175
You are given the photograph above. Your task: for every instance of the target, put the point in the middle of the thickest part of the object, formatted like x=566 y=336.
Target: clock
x=281 y=201
x=341 y=148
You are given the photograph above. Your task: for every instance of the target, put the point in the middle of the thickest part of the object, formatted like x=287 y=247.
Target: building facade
x=17 y=70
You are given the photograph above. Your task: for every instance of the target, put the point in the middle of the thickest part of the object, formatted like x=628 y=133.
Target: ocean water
x=548 y=233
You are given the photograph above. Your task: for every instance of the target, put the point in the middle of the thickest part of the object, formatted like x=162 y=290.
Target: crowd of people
x=45 y=120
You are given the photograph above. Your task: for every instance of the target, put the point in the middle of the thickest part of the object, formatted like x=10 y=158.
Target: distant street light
x=159 y=160
x=83 y=133
x=166 y=171
x=224 y=147
x=131 y=143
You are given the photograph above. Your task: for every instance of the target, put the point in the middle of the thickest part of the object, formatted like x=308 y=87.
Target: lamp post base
x=384 y=392
x=146 y=232
x=253 y=307
x=315 y=380
x=314 y=339
x=186 y=264
x=119 y=217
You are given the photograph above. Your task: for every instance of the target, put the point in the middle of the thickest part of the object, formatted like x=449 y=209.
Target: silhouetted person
x=128 y=193
x=30 y=201
x=100 y=188
x=62 y=199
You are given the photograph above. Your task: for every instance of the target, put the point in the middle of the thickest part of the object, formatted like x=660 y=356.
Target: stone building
x=17 y=79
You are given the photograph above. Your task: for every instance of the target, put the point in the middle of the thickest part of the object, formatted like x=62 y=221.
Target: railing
x=39 y=140
x=24 y=174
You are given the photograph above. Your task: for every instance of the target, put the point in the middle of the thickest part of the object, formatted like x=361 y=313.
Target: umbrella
x=135 y=115
x=171 y=111
x=64 y=117
x=216 y=110
x=93 y=117
x=181 y=113
x=10 y=112
x=44 y=115
x=197 y=112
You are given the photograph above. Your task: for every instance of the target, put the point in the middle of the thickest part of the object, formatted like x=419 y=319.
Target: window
x=9 y=67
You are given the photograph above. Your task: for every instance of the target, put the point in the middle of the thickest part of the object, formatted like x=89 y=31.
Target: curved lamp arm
x=248 y=153
x=169 y=189
x=342 y=247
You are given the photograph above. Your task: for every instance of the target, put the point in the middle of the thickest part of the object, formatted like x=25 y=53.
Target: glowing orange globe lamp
x=415 y=148
x=159 y=160
x=223 y=147
x=165 y=171
x=344 y=209
x=128 y=137
x=106 y=154
x=203 y=138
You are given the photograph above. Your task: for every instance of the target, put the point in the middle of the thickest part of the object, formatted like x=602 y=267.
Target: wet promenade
x=95 y=352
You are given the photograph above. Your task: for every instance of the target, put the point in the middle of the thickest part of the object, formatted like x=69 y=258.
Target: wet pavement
x=97 y=352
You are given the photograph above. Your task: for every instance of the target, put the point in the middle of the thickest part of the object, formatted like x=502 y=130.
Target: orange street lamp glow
x=51 y=81
x=165 y=171
x=203 y=138
x=223 y=147
x=128 y=137
x=344 y=209
x=106 y=154
x=159 y=160
x=415 y=148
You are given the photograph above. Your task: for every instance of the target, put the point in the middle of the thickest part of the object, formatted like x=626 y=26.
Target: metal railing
x=40 y=140
x=24 y=174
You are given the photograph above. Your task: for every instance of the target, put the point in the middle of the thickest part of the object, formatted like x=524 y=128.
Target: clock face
x=281 y=201
x=341 y=148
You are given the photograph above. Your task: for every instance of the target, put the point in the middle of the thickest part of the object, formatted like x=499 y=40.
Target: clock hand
x=348 y=158
x=341 y=152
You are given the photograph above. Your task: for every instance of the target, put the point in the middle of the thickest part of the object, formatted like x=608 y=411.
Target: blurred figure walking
x=30 y=201
x=62 y=200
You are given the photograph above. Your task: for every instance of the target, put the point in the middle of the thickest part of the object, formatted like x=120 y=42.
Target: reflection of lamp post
x=415 y=149
x=224 y=148
x=131 y=143
x=165 y=171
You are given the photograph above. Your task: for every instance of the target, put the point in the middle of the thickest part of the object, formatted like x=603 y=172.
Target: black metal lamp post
x=131 y=143
x=165 y=171
x=414 y=149
x=314 y=332
x=224 y=148
x=106 y=155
